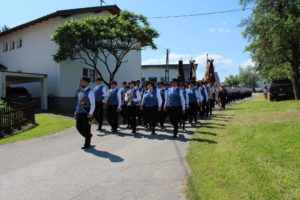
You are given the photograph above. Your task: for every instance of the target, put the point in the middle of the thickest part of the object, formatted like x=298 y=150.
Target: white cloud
x=173 y=59
x=247 y=63
x=219 y=30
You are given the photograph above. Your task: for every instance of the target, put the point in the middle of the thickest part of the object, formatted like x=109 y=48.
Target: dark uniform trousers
x=83 y=127
x=150 y=117
x=124 y=113
x=132 y=112
x=211 y=105
x=192 y=112
x=204 y=109
x=174 y=114
x=98 y=114
x=162 y=116
x=112 y=117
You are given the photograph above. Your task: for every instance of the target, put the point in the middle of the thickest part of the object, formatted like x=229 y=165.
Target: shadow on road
x=104 y=154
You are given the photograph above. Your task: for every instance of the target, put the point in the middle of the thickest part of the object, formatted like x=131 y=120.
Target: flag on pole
x=210 y=75
x=193 y=69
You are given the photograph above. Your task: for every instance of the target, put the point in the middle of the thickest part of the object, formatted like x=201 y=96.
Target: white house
x=28 y=50
x=157 y=73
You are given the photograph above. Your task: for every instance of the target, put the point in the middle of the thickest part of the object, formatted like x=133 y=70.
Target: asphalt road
x=121 y=166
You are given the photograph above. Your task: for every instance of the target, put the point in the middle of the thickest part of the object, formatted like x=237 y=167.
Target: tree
x=273 y=30
x=105 y=40
x=4 y=28
x=275 y=72
x=248 y=76
x=232 y=80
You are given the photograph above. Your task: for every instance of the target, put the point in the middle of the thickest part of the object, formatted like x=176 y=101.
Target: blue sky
x=191 y=37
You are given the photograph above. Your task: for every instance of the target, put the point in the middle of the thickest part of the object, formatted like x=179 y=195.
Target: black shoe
x=153 y=131
x=86 y=147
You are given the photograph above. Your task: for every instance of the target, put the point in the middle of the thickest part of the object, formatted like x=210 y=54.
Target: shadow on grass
x=104 y=154
x=204 y=141
x=213 y=124
x=207 y=133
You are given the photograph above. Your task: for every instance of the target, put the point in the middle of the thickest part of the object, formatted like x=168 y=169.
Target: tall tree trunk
x=296 y=77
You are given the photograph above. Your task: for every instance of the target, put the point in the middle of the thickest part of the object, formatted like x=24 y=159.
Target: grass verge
x=46 y=125
x=250 y=151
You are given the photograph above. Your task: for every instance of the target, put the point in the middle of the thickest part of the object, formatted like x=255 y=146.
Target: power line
x=200 y=14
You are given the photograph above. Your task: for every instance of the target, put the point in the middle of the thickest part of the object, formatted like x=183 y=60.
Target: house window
x=143 y=79
x=12 y=45
x=20 y=43
x=5 y=47
x=154 y=79
x=90 y=73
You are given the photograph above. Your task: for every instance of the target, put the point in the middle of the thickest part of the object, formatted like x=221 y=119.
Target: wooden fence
x=14 y=116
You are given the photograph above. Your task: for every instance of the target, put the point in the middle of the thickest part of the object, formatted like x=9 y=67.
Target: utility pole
x=167 y=72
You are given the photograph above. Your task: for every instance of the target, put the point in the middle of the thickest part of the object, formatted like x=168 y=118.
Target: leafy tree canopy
x=98 y=39
x=273 y=31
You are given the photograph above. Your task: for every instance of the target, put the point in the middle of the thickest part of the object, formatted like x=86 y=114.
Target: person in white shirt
x=175 y=105
x=114 y=103
x=183 y=87
x=151 y=106
x=84 y=111
x=204 y=103
x=133 y=99
x=100 y=92
x=123 y=113
x=195 y=99
x=162 y=113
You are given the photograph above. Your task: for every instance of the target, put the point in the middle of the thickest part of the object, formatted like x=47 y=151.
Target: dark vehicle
x=18 y=94
x=281 y=90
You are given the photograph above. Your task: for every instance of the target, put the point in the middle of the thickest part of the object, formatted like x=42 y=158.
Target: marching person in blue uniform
x=140 y=89
x=194 y=101
x=133 y=99
x=175 y=105
x=84 y=111
x=211 y=98
x=123 y=113
x=183 y=119
x=113 y=102
x=162 y=113
x=204 y=106
x=100 y=92
x=151 y=105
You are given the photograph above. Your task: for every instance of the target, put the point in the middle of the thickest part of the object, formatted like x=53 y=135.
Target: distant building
x=157 y=73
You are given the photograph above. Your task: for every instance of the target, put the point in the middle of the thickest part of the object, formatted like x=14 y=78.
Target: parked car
x=18 y=94
x=259 y=90
x=281 y=89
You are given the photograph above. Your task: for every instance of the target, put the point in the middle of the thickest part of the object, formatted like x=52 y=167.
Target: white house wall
x=35 y=55
x=158 y=73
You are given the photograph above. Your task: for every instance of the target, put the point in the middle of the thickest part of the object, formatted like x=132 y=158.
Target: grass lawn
x=46 y=125
x=250 y=151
